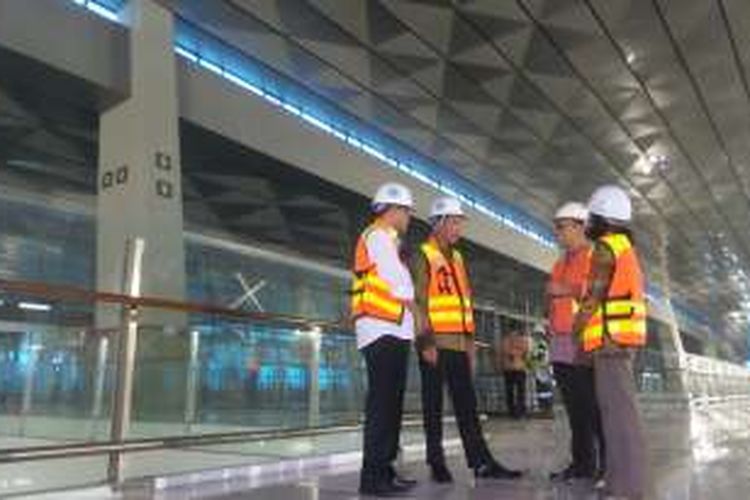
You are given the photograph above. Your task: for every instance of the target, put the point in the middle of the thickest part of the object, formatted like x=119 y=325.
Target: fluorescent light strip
x=34 y=306
x=98 y=9
x=102 y=11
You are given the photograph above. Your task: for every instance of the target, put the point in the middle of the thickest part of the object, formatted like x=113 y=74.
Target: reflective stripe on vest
x=371 y=295
x=622 y=316
x=449 y=305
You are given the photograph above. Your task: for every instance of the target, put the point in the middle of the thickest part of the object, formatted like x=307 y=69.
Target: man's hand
x=420 y=322
x=577 y=337
x=430 y=355
x=411 y=306
x=471 y=352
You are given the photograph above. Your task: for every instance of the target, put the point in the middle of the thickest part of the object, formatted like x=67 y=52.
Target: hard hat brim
x=385 y=205
x=460 y=216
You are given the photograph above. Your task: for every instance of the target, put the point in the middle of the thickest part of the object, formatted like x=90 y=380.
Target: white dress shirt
x=382 y=247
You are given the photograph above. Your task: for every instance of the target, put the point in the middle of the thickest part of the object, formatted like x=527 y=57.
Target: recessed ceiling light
x=630 y=56
x=645 y=167
x=34 y=306
x=657 y=160
x=653 y=162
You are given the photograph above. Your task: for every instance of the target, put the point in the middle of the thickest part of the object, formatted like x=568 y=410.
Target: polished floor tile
x=696 y=452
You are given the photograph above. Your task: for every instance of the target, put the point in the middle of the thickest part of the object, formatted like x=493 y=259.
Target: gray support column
x=140 y=197
x=139 y=192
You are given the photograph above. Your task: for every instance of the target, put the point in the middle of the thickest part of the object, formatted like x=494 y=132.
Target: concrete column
x=140 y=198
x=139 y=166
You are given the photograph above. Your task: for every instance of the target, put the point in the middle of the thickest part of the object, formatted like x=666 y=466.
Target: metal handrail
x=31 y=453
x=48 y=452
x=77 y=294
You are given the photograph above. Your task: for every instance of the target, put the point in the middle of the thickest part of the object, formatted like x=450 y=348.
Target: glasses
x=560 y=226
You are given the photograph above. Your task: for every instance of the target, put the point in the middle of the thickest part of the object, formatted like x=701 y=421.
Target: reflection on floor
x=696 y=452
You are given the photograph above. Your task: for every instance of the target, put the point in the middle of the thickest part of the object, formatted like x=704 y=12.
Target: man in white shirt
x=382 y=310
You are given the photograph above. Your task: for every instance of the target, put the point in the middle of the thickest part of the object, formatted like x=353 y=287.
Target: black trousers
x=576 y=383
x=386 y=359
x=452 y=368
x=515 y=392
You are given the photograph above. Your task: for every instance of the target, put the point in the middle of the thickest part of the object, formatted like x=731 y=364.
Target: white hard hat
x=572 y=210
x=392 y=193
x=611 y=202
x=446 y=205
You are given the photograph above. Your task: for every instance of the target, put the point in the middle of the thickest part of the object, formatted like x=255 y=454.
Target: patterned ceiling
x=541 y=100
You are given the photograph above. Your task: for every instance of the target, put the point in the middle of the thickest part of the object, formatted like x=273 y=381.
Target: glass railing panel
x=341 y=379
x=203 y=371
x=56 y=371
x=211 y=373
x=44 y=475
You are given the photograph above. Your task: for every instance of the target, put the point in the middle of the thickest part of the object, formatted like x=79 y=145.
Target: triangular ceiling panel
x=433 y=20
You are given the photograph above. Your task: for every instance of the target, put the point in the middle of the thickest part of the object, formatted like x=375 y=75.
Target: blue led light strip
x=98 y=9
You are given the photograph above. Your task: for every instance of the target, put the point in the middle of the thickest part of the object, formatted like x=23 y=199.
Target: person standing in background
x=515 y=349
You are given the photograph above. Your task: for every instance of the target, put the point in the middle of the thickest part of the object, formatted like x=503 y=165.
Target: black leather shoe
x=495 y=471
x=566 y=474
x=401 y=481
x=585 y=474
x=378 y=484
x=379 y=489
x=441 y=473
x=598 y=478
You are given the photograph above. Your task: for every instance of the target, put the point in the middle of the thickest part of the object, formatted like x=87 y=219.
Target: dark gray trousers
x=626 y=451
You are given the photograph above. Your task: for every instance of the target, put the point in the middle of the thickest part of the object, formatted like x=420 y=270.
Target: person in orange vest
x=611 y=324
x=574 y=373
x=382 y=309
x=515 y=352
x=446 y=344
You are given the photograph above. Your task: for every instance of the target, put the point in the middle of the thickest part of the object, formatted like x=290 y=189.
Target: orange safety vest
x=371 y=295
x=571 y=269
x=449 y=305
x=622 y=315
